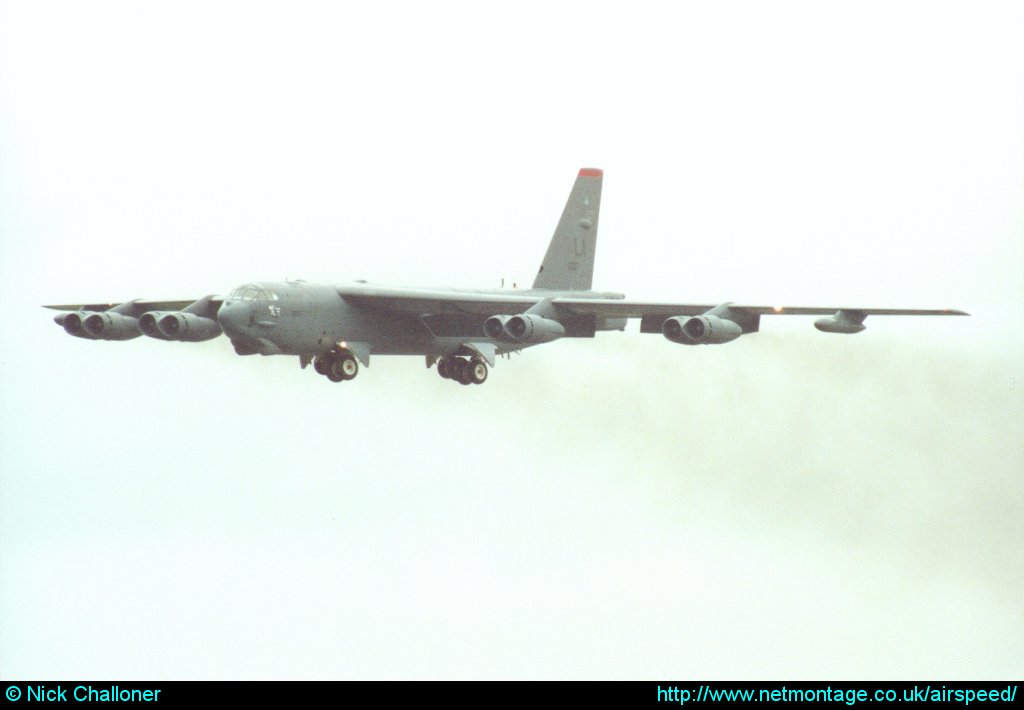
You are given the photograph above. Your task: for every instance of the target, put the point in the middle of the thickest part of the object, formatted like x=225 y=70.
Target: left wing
x=693 y=323
x=580 y=315
x=610 y=308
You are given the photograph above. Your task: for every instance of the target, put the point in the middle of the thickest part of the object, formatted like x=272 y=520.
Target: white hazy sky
x=790 y=505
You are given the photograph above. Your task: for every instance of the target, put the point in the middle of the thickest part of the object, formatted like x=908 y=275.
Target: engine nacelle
x=700 y=330
x=110 y=326
x=173 y=325
x=533 y=329
x=494 y=327
x=148 y=324
x=72 y=325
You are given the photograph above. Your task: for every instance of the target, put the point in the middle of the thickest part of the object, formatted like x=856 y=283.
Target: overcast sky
x=790 y=505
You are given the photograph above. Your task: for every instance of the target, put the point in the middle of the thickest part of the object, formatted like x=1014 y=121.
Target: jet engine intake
x=187 y=327
x=72 y=325
x=533 y=329
x=700 y=330
x=110 y=326
x=148 y=324
x=494 y=327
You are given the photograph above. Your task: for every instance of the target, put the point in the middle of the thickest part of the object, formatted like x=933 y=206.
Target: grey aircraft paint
x=336 y=327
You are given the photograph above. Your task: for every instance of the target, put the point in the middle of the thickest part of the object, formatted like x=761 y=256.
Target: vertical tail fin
x=569 y=263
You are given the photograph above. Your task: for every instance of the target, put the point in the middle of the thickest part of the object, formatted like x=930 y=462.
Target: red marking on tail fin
x=591 y=172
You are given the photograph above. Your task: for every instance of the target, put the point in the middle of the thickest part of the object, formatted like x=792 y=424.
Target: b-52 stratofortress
x=338 y=327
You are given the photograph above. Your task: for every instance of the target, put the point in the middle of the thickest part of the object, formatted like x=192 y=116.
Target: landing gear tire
x=349 y=366
x=463 y=370
x=477 y=371
x=455 y=368
x=334 y=371
x=320 y=366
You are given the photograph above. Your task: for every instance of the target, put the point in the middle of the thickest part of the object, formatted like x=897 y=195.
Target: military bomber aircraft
x=337 y=327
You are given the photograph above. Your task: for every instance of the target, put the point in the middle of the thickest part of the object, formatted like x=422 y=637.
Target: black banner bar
x=994 y=695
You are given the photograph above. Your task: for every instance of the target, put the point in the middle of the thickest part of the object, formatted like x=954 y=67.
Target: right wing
x=193 y=321
x=137 y=308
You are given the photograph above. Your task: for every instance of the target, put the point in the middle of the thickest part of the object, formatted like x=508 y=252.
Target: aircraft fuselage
x=309 y=320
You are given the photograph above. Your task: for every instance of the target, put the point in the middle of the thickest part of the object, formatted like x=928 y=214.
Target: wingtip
x=591 y=172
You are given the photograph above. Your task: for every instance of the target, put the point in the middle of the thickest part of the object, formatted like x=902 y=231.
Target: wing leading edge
x=135 y=308
x=611 y=308
x=693 y=323
x=583 y=314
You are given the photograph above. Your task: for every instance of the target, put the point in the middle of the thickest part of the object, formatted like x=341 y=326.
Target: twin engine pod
x=527 y=329
x=187 y=327
x=700 y=330
x=163 y=325
x=99 y=326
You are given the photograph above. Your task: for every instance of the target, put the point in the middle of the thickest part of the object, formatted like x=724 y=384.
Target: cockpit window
x=253 y=293
x=243 y=293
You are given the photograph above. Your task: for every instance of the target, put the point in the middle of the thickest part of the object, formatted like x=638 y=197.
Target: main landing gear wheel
x=463 y=371
x=455 y=368
x=334 y=372
x=477 y=371
x=349 y=366
x=442 y=367
x=337 y=366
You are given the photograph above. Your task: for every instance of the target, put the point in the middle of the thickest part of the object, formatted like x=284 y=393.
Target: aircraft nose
x=232 y=317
